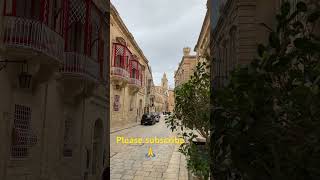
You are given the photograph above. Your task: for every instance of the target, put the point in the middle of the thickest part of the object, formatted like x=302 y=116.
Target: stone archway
x=97 y=152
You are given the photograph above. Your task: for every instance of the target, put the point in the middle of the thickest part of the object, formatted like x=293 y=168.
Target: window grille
x=77 y=11
x=121 y=56
x=22 y=137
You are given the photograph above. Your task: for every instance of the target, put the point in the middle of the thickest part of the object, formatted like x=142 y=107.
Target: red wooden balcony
x=81 y=66
x=135 y=82
x=26 y=37
x=120 y=73
x=120 y=64
x=134 y=85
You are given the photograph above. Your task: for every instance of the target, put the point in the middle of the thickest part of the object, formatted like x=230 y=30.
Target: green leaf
x=297 y=24
x=315 y=89
x=285 y=8
x=296 y=82
x=303 y=43
x=261 y=49
x=301 y=7
x=274 y=40
x=313 y=17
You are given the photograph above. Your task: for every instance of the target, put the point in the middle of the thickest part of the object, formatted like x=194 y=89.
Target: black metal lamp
x=25 y=77
x=24 y=80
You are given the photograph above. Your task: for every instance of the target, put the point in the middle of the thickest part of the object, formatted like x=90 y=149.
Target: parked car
x=166 y=113
x=157 y=117
x=148 y=118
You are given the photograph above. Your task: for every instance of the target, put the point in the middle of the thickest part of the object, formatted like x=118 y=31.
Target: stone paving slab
x=130 y=161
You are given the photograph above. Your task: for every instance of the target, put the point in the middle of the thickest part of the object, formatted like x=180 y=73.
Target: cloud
x=162 y=28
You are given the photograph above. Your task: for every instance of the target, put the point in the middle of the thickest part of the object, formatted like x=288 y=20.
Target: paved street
x=131 y=162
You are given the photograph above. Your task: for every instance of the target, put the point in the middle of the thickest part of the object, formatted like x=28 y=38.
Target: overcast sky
x=162 y=28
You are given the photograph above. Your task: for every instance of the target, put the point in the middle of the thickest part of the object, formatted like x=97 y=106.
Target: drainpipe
x=82 y=135
x=5 y=137
x=1 y=24
x=44 y=142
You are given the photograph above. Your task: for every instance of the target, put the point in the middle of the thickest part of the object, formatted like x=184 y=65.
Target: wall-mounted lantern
x=24 y=76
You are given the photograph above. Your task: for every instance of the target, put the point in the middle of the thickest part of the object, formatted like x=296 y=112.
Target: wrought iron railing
x=32 y=34
x=81 y=65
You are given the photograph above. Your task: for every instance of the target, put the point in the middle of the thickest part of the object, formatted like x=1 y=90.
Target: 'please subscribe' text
x=149 y=140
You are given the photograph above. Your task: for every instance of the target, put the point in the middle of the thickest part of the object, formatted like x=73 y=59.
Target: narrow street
x=130 y=161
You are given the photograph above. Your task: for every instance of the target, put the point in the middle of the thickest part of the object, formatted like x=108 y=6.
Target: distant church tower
x=164 y=83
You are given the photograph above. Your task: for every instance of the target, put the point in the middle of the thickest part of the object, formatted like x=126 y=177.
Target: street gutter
x=121 y=129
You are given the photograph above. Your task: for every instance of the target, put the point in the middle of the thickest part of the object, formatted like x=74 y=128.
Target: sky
x=162 y=28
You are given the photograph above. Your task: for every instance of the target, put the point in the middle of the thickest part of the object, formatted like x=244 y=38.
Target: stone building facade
x=171 y=99
x=165 y=89
x=54 y=83
x=130 y=74
x=159 y=99
x=161 y=95
x=186 y=67
x=202 y=48
x=237 y=28
x=149 y=98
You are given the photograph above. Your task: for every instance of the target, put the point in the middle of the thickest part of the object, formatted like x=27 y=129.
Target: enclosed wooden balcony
x=134 y=83
x=31 y=39
x=119 y=74
x=120 y=65
x=136 y=74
